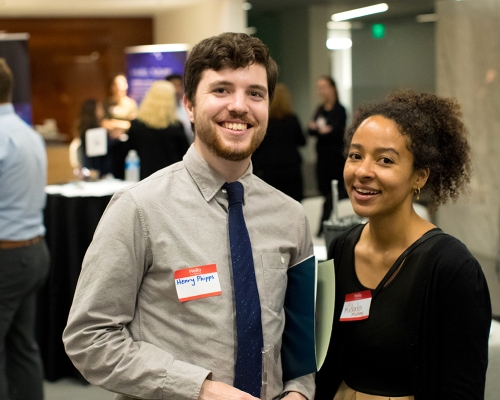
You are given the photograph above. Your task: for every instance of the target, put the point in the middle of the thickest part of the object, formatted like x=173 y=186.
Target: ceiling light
x=360 y=12
x=338 y=43
x=338 y=25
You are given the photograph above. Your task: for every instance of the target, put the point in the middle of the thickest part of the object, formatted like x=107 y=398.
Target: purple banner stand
x=146 y=64
x=14 y=49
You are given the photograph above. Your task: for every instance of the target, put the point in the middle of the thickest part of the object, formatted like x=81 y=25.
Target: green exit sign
x=378 y=31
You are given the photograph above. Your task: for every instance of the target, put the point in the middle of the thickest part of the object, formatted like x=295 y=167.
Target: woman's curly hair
x=437 y=138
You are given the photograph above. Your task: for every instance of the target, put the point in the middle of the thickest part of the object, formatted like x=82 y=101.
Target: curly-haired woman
x=412 y=308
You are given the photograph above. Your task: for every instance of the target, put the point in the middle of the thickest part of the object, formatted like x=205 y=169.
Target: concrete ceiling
x=82 y=8
x=397 y=8
x=53 y=8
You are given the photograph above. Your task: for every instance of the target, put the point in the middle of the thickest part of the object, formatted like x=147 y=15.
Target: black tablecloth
x=70 y=223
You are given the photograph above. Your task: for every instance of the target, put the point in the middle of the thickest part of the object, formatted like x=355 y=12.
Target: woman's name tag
x=356 y=306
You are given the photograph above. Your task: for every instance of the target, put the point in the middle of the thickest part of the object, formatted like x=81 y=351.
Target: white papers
x=96 y=142
x=325 y=304
x=104 y=187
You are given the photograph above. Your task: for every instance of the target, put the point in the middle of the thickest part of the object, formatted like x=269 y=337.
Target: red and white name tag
x=356 y=306
x=197 y=282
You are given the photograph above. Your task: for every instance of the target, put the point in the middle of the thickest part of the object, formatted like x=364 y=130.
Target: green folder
x=309 y=305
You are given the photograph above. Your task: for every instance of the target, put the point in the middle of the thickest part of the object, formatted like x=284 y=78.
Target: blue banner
x=14 y=49
x=146 y=64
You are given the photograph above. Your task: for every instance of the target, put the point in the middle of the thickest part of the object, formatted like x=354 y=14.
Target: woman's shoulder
x=451 y=257
x=294 y=120
x=129 y=101
x=338 y=109
x=285 y=121
x=445 y=245
x=176 y=125
x=320 y=110
x=175 y=128
x=292 y=117
x=136 y=123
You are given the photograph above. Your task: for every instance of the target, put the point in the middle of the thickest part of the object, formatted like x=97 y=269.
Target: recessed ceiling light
x=338 y=25
x=338 y=43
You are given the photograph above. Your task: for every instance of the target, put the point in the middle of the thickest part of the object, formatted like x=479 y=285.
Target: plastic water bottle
x=132 y=166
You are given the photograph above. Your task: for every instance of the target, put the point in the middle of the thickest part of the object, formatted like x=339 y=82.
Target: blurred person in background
x=24 y=256
x=176 y=80
x=157 y=134
x=91 y=116
x=118 y=105
x=277 y=160
x=119 y=110
x=328 y=125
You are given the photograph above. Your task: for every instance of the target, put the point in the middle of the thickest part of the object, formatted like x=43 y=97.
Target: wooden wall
x=58 y=167
x=72 y=59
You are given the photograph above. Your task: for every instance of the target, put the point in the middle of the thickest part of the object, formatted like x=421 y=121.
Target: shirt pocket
x=275 y=267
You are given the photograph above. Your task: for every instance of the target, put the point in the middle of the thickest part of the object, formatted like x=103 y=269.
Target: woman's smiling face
x=379 y=174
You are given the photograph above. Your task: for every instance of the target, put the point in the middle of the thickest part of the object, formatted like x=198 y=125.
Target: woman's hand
x=325 y=129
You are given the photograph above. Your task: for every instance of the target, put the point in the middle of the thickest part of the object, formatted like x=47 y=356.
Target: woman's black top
x=375 y=359
x=445 y=332
x=277 y=161
x=330 y=147
x=157 y=148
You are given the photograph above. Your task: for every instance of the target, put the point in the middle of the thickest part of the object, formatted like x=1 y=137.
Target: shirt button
x=282 y=260
x=224 y=191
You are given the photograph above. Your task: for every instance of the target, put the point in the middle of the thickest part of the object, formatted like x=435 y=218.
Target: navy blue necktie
x=248 y=370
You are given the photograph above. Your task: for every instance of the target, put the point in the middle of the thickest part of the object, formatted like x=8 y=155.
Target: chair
x=313 y=207
x=422 y=211
x=345 y=208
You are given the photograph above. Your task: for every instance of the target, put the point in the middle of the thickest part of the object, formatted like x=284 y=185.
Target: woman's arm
x=462 y=322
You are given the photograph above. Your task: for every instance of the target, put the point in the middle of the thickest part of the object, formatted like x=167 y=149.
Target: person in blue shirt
x=24 y=256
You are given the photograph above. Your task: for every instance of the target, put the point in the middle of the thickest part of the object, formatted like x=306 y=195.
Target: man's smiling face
x=230 y=111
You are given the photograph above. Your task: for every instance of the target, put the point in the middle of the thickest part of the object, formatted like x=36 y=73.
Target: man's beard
x=207 y=133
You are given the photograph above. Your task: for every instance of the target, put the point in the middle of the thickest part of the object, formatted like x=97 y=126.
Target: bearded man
x=184 y=282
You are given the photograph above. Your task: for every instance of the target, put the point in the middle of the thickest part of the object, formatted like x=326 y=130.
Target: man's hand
x=222 y=391
x=294 y=396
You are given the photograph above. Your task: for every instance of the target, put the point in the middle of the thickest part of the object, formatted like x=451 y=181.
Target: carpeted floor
x=71 y=389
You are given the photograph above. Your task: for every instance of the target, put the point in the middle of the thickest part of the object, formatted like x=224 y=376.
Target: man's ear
x=188 y=106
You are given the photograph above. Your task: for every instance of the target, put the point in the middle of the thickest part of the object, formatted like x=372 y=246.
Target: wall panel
x=72 y=59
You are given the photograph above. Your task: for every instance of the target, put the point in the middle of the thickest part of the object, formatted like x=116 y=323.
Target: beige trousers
x=346 y=393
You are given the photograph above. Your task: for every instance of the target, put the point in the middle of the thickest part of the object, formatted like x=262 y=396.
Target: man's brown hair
x=234 y=50
x=6 y=82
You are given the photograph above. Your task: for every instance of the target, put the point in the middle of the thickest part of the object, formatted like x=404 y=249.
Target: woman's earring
x=417 y=194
